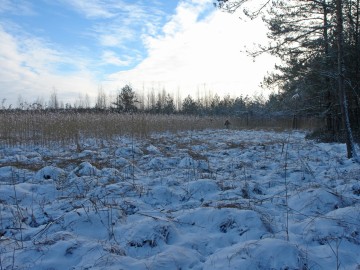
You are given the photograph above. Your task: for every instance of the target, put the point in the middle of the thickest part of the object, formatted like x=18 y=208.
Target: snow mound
x=187 y=162
x=158 y=163
x=50 y=172
x=153 y=150
x=261 y=254
x=129 y=151
x=86 y=169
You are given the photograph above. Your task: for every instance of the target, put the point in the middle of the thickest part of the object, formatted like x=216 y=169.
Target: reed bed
x=46 y=127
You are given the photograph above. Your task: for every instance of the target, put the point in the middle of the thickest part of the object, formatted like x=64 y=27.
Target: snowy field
x=213 y=199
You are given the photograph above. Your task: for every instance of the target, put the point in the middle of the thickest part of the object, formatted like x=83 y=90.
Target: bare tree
x=87 y=101
x=54 y=100
x=101 y=99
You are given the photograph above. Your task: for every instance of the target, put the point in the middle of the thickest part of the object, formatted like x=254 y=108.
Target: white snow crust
x=212 y=199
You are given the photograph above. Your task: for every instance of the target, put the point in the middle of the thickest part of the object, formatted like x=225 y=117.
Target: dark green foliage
x=190 y=106
x=169 y=106
x=164 y=105
x=126 y=100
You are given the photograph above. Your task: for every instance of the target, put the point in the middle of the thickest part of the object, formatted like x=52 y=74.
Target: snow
x=212 y=199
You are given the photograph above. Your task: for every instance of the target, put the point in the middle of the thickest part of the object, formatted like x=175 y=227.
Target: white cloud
x=192 y=53
x=92 y=8
x=186 y=15
x=110 y=57
x=113 y=35
x=117 y=22
x=30 y=68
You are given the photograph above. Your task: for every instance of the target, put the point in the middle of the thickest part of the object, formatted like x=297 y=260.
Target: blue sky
x=75 y=47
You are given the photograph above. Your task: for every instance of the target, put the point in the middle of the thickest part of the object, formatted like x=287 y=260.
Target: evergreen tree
x=190 y=106
x=126 y=100
x=169 y=106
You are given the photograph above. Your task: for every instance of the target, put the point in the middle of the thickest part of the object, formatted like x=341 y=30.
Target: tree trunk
x=350 y=145
x=328 y=95
x=357 y=57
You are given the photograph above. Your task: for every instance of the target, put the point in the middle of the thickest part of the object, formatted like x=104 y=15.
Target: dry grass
x=46 y=127
x=276 y=123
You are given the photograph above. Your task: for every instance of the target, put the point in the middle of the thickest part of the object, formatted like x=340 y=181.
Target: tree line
x=128 y=100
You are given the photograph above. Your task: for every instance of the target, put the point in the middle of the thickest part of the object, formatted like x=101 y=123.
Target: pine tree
x=126 y=100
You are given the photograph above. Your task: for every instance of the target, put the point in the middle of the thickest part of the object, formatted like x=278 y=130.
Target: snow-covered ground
x=213 y=199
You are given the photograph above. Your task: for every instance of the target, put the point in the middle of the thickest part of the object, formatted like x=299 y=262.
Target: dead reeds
x=43 y=128
x=46 y=127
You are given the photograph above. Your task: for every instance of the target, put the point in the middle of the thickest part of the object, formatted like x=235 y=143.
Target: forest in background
x=305 y=36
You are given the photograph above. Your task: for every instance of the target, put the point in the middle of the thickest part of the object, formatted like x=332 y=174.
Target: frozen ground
x=215 y=199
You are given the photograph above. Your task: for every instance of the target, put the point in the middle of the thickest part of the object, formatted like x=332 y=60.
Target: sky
x=76 y=47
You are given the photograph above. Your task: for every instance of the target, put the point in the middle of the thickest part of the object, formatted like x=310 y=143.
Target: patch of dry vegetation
x=46 y=127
